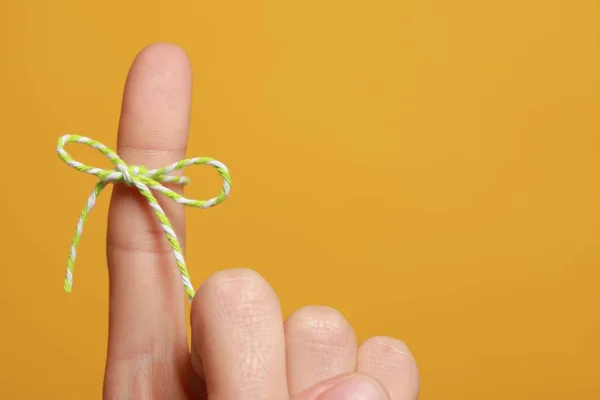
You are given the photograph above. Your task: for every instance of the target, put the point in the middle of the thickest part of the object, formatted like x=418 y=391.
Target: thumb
x=346 y=387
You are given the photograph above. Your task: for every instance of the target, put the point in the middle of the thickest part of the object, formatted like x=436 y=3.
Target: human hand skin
x=241 y=348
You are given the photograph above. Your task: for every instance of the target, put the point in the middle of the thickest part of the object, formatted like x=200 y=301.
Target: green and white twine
x=145 y=181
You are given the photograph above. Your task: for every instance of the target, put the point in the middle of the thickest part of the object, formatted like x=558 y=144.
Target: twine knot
x=133 y=170
x=145 y=180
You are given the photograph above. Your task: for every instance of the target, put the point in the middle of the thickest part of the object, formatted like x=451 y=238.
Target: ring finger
x=320 y=345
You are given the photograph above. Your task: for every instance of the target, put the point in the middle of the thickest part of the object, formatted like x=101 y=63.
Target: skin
x=241 y=347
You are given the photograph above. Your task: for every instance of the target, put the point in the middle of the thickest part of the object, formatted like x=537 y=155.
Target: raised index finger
x=147 y=323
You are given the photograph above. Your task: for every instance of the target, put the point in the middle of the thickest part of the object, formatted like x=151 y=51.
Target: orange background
x=429 y=167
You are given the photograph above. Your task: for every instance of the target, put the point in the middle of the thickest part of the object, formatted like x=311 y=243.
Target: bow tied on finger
x=145 y=181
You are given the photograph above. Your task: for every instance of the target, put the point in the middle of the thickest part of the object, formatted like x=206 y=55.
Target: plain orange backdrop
x=429 y=167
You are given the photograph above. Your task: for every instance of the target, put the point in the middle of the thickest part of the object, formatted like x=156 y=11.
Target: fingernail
x=356 y=388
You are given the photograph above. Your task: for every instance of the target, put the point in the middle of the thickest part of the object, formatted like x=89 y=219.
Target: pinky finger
x=390 y=362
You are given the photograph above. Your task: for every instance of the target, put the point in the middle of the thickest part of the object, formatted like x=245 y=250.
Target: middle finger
x=237 y=333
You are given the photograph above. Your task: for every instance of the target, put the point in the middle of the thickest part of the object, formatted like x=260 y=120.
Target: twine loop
x=145 y=180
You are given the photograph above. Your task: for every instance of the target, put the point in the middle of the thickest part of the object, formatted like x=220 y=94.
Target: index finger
x=147 y=315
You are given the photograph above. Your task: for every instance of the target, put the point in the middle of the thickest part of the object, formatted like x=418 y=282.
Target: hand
x=241 y=349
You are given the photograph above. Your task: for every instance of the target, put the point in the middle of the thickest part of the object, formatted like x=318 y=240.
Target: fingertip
x=392 y=363
x=376 y=350
x=308 y=317
x=320 y=344
x=160 y=56
x=164 y=60
x=156 y=102
x=229 y=288
x=162 y=48
x=231 y=283
x=390 y=344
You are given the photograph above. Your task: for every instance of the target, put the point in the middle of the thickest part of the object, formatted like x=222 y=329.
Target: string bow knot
x=145 y=180
x=134 y=170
